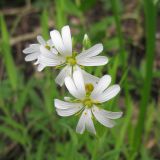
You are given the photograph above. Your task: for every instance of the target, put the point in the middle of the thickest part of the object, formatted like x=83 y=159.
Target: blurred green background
x=29 y=126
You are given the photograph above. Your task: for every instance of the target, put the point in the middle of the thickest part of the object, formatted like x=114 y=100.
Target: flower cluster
x=88 y=91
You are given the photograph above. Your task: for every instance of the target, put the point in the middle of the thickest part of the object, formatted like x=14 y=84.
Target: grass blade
x=44 y=24
x=61 y=18
x=6 y=50
x=127 y=121
x=115 y=8
x=150 y=20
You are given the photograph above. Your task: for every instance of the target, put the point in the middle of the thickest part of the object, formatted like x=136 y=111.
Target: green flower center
x=88 y=102
x=71 y=61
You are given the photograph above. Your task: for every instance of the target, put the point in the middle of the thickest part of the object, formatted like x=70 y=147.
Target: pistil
x=71 y=61
x=88 y=103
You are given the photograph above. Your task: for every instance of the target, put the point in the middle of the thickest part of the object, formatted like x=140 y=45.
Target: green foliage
x=44 y=24
x=150 y=14
x=30 y=127
x=7 y=54
x=60 y=17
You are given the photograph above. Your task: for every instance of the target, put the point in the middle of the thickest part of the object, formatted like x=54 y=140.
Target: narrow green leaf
x=12 y=123
x=40 y=154
x=23 y=96
x=7 y=54
x=61 y=16
x=115 y=8
x=13 y=134
x=44 y=24
x=127 y=121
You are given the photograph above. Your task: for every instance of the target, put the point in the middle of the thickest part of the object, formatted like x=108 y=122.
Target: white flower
x=33 y=52
x=67 y=58
x=88 y=98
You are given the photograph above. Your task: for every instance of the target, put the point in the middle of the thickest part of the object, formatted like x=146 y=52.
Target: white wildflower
x=88 y=98
x=67 y=58
x=33 y=52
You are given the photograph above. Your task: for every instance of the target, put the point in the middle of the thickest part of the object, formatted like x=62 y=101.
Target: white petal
x=88 y=122
x=88 y=78
x=93 y=61
x=101 y=86
x=45 y=51
x=49 y=54
x=31 y=57
x=66 y=105
x=54 y=51
x=108 y=93
x=67 y=99
x=111 y=115
x=37 y=62
x=35 y=45
x=107 y=114
x=72 y=88
x=66 y=71
x=41 y=40
x=67 y=41
x=93 y=51
x=63 y=105
x=102 y=119
x=76 y=68
x=79 y=82
x=57 y=41
x=81 y=123
x=47 y=58
x=31 y=49
x=68 y=112
x=50 y=43
x=40 y=67
x=49 y=62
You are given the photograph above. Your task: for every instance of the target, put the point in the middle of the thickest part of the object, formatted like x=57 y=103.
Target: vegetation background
x=29 y=126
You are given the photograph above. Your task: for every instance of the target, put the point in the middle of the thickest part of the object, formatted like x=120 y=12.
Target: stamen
x=89 y=87
x=48 y=47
